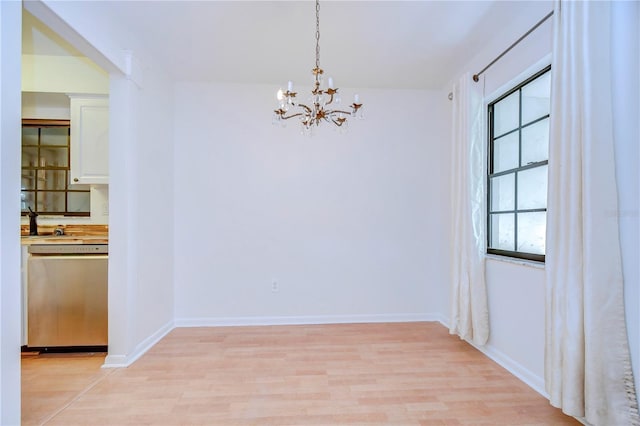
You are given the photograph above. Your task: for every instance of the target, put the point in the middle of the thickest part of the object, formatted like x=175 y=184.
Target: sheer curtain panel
x=587 y=363
x=469 y=311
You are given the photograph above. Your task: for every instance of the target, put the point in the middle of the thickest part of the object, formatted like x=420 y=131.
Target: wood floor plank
x=49 y=383
x=391 y=374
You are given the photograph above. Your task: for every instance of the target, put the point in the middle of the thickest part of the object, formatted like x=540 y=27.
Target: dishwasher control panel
x=49 y=249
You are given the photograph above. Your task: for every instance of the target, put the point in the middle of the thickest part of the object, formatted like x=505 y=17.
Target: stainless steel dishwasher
x=67 y=296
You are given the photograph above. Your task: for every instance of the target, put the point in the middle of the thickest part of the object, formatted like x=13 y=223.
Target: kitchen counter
x=64 y=239
x=73 y=234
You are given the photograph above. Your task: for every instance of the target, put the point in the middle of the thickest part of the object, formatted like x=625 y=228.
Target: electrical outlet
x=274 y=286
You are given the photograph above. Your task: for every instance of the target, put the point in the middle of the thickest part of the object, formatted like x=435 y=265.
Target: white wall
x=45 y=73
x=516 y=295
x=141 y=168
x=154 y=212
x=54 y=106
x=350 y=226
x=10 y=31
x=140 y=213
x=516 y=290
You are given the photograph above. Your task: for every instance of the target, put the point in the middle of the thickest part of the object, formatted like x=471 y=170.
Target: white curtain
x=587 y=364
x=469 y=311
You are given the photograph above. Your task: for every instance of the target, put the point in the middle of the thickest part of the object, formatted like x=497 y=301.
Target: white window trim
x=515 y=261
x=518 y=80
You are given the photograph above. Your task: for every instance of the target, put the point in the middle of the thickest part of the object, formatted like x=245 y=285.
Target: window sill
x=515 y=261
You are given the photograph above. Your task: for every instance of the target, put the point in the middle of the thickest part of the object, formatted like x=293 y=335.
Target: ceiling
x=377 y=44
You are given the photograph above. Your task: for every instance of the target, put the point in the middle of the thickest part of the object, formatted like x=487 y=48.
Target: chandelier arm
x=330 y=99
x=303 y=106
x=306 y=108
x=334 y=111
x=337 y=123
x=290 y=116
x=282 y=114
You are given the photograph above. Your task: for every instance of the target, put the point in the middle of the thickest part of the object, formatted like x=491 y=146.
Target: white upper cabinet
x=89 y=140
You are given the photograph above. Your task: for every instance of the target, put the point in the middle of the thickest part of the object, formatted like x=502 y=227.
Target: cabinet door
x=89 y=140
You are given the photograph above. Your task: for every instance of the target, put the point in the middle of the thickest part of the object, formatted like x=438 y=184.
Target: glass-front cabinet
x=45 y=170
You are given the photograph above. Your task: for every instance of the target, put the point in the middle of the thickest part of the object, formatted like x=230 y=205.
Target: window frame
x=490 y=164
x=68 y=187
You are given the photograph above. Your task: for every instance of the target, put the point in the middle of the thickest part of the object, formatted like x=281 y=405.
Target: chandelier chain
x=317 y=33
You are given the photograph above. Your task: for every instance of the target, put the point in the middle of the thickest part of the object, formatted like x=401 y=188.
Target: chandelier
x=323 y=103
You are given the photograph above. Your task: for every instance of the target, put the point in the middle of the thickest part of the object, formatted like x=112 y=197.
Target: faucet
x=33 y=225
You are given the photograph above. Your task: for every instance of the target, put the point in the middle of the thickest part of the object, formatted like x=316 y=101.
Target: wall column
x=123 y=206
x=10 y=129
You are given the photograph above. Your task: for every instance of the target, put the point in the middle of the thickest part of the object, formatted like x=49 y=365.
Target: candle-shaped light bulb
x=356 y=99
x=330 y=83
x=280 y=95
x=290 y=86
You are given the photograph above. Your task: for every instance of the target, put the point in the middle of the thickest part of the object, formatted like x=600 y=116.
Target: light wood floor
x=52 y=381
x=392 y=374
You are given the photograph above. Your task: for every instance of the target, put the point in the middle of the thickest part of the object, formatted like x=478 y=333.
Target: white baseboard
x=441 y=319
x=299 y=320
x=534 y=381
x=116 y=361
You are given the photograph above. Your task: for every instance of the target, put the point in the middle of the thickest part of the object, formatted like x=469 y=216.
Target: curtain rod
x=475 y=76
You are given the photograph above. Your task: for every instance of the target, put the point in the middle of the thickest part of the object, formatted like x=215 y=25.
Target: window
x=517 y=169
x=45 y=171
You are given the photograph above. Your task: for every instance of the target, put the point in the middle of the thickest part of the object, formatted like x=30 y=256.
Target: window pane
x=54 y=179
x=503 y=192
x=79 y=202
x=535 y=142
x=532 y=188
x=536 y=98
x=53 y=157
x=54 y=135
x=505 y=114
x=531 y=232
x=28 y=179
x=29 y=156
x=28 y=199
x=502 y=232
x=505 y=153
x=30 y=136
x=50 y=201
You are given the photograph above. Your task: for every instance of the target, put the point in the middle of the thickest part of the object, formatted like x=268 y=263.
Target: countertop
x=73 y=234
x=64 y=239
